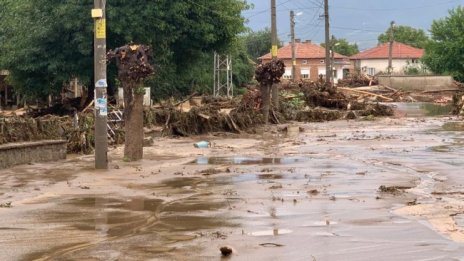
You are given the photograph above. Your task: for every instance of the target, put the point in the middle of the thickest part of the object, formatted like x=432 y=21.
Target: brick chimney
x=308 y=41
x=297 y=40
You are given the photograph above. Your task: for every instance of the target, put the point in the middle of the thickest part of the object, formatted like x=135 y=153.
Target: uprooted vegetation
x=307 y=102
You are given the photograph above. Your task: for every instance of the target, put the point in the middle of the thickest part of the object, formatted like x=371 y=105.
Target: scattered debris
x=313 y=192
x=226 y=251
x=278 y=186
x=202 y=145
x=6 y=205
x=393 y=189
x=358 y=80
x=271 y=245
x=148 y=142
x=213 y=171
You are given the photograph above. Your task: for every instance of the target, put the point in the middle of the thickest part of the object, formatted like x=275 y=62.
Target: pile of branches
x=320 y=95
x=215 y=115
x=68 y=106
x=251 y=100
x=79 y=134
x=358 y=80
x=271 y=72
x=23 y=129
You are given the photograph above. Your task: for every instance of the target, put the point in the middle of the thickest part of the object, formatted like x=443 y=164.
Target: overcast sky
x=359 y=21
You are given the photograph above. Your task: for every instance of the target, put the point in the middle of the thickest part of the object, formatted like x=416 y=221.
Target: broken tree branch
x=366 y=93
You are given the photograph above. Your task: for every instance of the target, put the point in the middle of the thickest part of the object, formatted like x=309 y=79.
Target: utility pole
x=332 y=61
x=328 y=45
x=101 y=84
x=390 y=49
x=292 y=30
x=275 y=86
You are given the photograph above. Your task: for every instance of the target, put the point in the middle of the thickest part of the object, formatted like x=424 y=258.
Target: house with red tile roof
x=375 y=60
x=310 y=61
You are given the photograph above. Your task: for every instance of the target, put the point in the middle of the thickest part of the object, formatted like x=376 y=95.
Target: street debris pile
x=50 y=127
x=317 y=101
x=307 y=102
x=196 y=115
x=67 y=106
x=458 y=100
x=199 y=116
x=20 y=129
x=358 y=80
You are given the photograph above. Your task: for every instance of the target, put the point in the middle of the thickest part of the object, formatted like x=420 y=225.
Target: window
x=322 y=61
x=334 y=73
x=371 y=71
x=304 y=62
x=304 y=73
x=288 y=74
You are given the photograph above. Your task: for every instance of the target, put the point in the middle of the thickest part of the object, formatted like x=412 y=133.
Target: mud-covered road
x=309 y=194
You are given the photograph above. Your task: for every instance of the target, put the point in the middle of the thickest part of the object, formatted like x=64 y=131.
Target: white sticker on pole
x=102 y=83
x=102 y=106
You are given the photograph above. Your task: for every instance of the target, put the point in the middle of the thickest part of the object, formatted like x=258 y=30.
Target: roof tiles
x=303 y=51
x=400 y=51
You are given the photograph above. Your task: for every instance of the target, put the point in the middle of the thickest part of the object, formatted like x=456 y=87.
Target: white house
x=375 y=60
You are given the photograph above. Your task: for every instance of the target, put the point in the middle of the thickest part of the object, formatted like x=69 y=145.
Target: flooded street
x=389 y=189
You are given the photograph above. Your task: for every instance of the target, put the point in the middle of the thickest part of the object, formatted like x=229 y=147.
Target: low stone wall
x=27 y=152
x=418 y=83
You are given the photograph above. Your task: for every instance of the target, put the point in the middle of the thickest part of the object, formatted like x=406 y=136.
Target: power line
x=265 y=10
x=392 y=9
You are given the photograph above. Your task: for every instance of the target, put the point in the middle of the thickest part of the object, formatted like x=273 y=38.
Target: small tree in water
x=133 y=62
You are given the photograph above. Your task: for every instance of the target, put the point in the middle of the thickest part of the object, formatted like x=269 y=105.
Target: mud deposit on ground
x=389 y=189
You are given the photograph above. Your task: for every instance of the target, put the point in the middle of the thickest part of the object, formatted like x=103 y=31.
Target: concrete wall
x=418 y=83
x=27 y=152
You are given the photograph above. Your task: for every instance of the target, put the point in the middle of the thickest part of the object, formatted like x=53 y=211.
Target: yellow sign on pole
x=100 y=29
x=274 y=51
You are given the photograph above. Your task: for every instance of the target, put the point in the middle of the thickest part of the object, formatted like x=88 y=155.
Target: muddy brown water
x=421 y=109
x=310 y=196
x=243 y=160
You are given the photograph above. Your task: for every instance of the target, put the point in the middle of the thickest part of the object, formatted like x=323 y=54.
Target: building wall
x=314 y=66
x=381 y=65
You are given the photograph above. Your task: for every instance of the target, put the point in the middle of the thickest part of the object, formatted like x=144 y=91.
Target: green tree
x=342 y=46
x=259 y=43
x=47 y=42
x=444 y=53
x=407 y=35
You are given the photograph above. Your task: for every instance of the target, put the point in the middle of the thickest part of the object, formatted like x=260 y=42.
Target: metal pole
x=101 y=99
x=292 y=30
x=327 y=42
x=390 y=49
x=214 y=75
